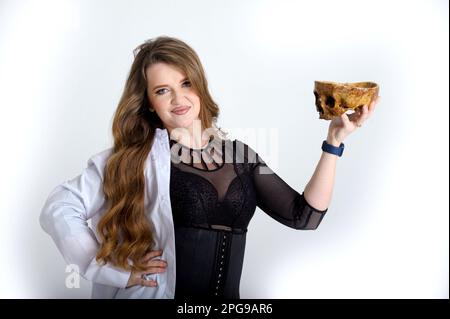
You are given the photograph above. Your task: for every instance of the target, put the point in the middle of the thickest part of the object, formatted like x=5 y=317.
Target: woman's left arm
x=319 y=189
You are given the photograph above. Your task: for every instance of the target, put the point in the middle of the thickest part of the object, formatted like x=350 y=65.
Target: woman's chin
x=183 y=123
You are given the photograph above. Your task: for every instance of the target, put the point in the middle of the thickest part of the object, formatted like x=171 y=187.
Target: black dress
x=214 y=194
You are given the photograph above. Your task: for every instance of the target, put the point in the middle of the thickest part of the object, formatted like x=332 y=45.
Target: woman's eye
x=159 y=92
x=162 y=91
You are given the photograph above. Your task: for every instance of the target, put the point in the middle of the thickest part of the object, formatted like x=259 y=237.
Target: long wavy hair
x=125 y=231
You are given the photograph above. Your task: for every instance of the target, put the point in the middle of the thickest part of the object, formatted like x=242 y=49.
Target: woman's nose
x=176 y=97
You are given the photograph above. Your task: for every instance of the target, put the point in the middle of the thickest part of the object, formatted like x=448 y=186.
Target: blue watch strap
x=333 y=149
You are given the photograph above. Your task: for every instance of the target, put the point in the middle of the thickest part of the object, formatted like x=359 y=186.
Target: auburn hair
x=125 y=231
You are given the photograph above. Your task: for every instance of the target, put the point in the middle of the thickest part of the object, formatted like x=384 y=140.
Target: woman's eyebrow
x=163 y=85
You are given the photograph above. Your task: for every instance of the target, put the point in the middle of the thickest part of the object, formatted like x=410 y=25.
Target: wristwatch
x=333 y=149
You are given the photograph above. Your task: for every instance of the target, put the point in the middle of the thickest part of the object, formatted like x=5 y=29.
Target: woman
x=170 y=202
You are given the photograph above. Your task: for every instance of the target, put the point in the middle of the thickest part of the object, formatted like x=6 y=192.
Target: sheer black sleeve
x=280 y=201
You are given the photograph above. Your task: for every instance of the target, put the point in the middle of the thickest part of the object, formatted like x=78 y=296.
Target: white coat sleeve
x=64 y=217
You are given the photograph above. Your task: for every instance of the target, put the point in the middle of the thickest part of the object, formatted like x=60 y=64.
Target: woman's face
x=171 y=95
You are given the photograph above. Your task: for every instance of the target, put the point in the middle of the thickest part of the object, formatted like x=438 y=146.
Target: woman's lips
x=181 y=110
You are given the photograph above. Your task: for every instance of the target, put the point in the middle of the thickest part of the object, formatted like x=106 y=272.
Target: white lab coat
x=70 y=205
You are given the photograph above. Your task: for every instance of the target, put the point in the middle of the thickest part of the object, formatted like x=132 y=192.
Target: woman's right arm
x=64 y=217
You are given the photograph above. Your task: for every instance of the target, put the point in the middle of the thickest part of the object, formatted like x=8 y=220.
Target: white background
x=63 y=65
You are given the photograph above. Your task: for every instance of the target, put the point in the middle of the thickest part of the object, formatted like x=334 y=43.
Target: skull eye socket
x=330 y=101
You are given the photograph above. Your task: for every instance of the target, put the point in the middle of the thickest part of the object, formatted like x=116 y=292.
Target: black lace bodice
x=214 y=194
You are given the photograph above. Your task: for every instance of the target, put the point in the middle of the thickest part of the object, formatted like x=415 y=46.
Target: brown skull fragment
x=333 y=99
